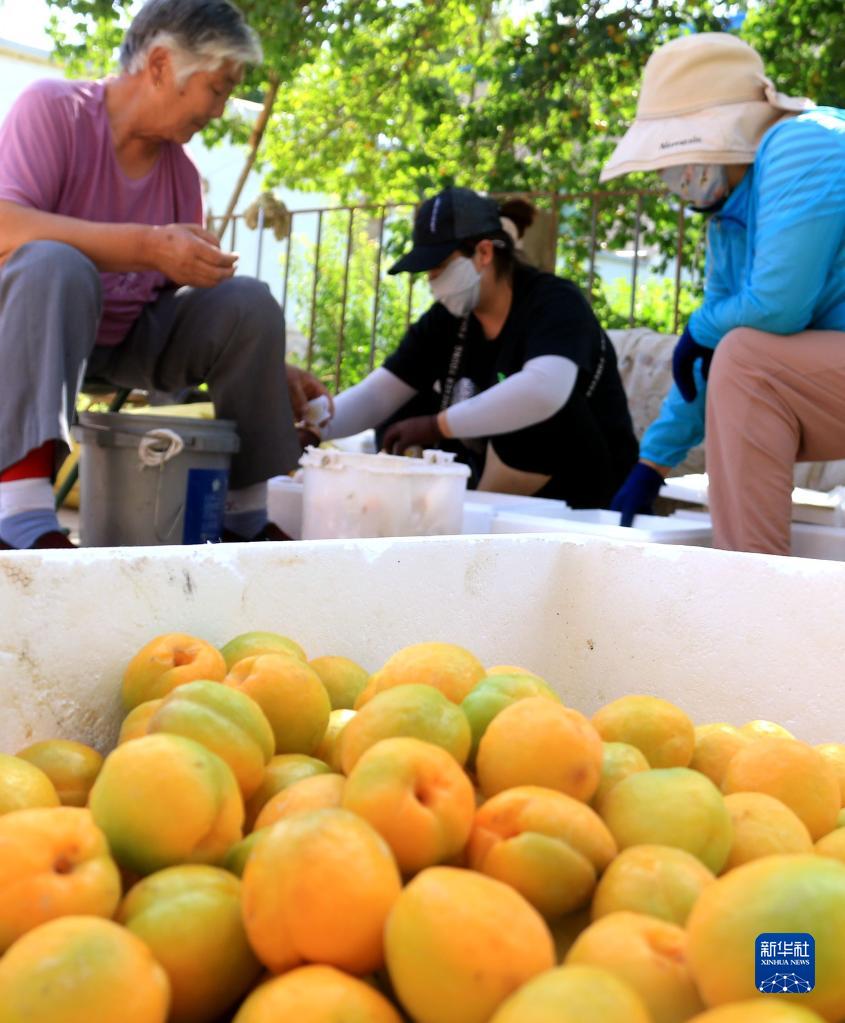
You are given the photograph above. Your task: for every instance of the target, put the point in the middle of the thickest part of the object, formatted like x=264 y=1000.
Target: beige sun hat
x=703 y=99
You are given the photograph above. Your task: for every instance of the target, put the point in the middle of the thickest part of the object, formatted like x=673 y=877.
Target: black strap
x=454 y=365
x=593 y=384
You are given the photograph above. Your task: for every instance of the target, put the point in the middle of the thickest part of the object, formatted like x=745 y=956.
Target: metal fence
x=579 y=231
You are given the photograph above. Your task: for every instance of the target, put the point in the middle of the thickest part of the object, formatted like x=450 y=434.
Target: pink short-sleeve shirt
x=57 y=155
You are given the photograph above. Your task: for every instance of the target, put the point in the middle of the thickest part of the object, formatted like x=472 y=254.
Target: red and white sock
x=27 y=504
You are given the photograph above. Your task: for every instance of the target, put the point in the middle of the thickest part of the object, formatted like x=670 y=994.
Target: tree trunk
x=254 y=142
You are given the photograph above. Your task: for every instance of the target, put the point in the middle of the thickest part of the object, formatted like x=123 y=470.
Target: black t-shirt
x=548 y=316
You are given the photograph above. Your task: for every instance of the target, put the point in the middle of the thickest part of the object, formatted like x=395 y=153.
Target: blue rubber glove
x=637 y=493
x=686 y=352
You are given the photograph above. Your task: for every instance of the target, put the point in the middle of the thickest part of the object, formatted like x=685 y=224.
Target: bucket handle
x=159 y=446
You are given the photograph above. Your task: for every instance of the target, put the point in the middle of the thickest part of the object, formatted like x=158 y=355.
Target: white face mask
x=458 y=287
x=702 y=185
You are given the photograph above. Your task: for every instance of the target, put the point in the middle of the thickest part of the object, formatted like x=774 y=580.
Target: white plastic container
x=284 y=503
x=351 y=495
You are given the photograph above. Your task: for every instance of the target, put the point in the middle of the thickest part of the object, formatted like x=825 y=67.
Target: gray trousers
x=231 y=337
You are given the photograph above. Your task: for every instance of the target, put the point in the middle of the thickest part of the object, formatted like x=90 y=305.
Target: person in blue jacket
x=762 y=360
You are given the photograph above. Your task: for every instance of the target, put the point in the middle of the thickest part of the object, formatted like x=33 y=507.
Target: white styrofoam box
x=811 y=506
x=808 y=540
x=726 y=636
x=284 y=504
x=352 y=495
x=598 y=522
x=545 y=506
x=478 y=518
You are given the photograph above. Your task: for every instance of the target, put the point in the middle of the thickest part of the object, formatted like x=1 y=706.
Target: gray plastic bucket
x=151 y=480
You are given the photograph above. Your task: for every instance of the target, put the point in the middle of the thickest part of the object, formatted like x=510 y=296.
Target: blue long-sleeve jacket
x=775 y=258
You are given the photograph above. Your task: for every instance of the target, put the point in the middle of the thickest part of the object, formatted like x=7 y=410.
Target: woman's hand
x=418 y=431
x=188 y=254
x=304 y=387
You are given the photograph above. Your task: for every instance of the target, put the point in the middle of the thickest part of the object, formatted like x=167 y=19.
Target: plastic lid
x=432 y=463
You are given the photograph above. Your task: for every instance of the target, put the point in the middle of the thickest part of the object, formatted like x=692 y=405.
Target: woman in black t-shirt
x=509 y=367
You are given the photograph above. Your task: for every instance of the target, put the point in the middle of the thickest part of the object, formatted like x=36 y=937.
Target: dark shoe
x=54 y=540
x=270 y=532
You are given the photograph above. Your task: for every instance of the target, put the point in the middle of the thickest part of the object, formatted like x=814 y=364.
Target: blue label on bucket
x=205 y=502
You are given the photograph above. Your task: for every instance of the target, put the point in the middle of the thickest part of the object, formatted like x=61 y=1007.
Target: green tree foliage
x=390 y=100
x=386 y=100
x=803 y=45
x=651 y=304
x=386 y=103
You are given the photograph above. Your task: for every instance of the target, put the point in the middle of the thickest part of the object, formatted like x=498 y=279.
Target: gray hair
x=201 y=35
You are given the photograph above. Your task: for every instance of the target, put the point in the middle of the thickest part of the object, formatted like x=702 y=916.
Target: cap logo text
x=694 y=140
x=432 y=225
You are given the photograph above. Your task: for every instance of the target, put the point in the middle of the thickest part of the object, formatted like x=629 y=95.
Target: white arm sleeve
x=540 y=389
x=367 y=404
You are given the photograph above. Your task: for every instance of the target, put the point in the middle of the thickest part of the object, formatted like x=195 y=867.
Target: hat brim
x=423 y=257
x=729 y=133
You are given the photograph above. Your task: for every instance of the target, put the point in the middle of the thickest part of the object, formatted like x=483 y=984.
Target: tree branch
x=254 y=142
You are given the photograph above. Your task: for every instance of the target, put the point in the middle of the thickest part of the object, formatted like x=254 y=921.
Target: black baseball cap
x=443 y=222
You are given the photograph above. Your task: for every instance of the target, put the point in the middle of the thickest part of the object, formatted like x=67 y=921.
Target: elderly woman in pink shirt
x=105 y=264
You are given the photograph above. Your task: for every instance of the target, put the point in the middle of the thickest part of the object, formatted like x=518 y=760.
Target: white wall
x=20 y=66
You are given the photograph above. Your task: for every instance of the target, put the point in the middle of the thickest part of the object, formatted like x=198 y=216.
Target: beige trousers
x=772 y=401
